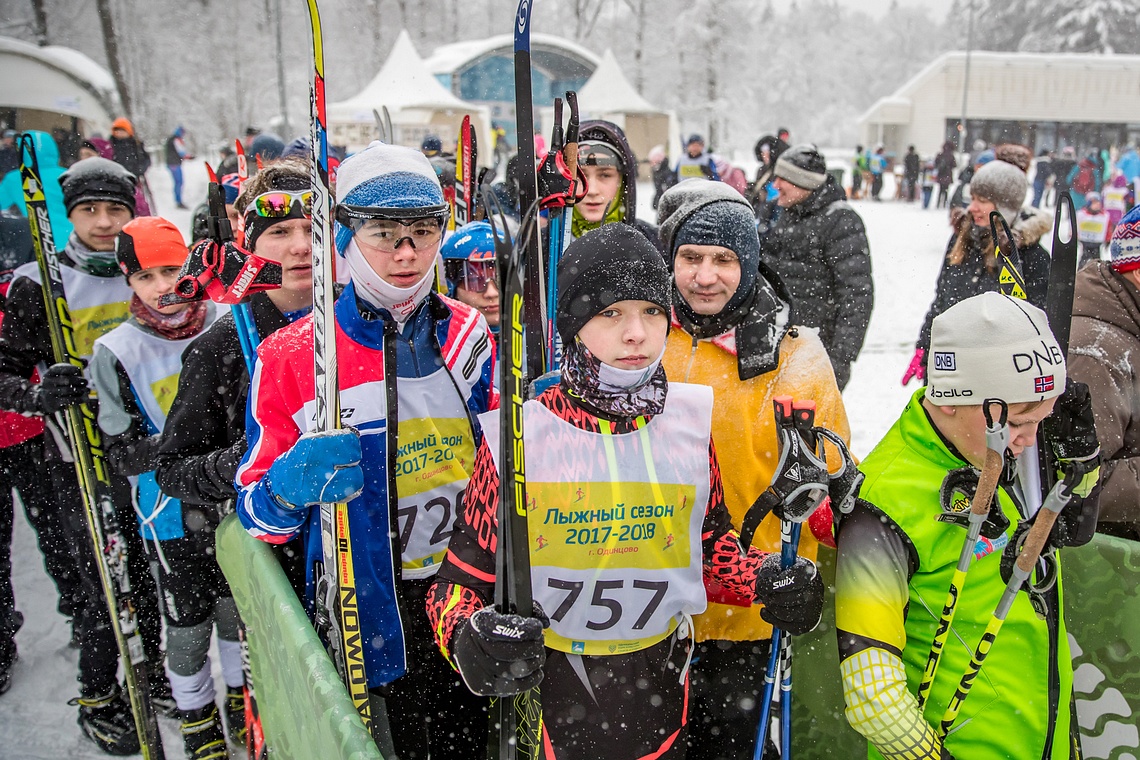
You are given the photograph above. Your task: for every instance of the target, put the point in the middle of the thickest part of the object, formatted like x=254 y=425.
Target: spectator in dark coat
x=663 y=176
x=944 y=165
x=912 y=167
x=970 y=267
x=9 y=156
x=818 y=246
x=1041 y=176
x=1064 y=170
x=128 y=150
x=1106 y=335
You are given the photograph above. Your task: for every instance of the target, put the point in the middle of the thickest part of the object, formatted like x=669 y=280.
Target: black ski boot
x=235 y=715
x=161 y=697
x=202 y=734
x=8 y=653
x=8 y=657
x=107 y=721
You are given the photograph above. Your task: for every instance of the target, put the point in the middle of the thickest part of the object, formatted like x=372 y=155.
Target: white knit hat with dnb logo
x=993 y=346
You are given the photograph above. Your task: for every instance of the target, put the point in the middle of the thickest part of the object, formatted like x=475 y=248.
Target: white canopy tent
x=55 y=87
x=609 y=95
x=418 y=104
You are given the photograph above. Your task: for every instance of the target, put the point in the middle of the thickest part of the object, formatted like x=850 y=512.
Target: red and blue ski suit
x=442 y=334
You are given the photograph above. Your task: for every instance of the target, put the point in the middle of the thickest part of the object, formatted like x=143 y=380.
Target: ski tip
x=522 y=27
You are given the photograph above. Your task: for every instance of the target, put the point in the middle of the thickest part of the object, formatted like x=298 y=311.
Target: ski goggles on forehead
x=353 y=216
x=281 y=204
x=598 y=154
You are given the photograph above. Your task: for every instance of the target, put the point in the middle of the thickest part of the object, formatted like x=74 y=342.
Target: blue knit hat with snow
x=383 y=181
x=385 y=176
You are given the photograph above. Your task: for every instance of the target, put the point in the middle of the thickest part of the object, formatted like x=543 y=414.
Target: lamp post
x=281 y=74
x=966 y=80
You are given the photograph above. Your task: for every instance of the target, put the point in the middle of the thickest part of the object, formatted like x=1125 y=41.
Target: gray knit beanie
x=803 y=166
x=1002 y=184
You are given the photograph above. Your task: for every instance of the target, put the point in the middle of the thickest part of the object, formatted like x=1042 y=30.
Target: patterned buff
x=184 y=324
x=607 y=390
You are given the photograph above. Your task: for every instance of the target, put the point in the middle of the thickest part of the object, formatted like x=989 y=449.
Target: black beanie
x=97 y=179
x=612 y=263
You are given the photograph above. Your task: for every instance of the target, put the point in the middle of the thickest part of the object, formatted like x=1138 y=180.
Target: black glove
x=801 y=481
x=501 y=655
x=792 y=598
x=553 y=177
x=1071 y=432
x=61 y=386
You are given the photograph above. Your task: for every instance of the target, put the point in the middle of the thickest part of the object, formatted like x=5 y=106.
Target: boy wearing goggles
x=469 y=264
x=204 y=437
x=412 y=364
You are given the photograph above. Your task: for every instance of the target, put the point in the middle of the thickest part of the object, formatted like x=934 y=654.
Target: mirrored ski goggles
x=475 y=276
x=389 y=234
x=281 y=204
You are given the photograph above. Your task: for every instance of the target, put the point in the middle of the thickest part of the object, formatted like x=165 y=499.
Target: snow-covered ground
x=907 y=244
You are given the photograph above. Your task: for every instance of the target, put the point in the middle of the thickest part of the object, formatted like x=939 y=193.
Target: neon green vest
x=1006 y=715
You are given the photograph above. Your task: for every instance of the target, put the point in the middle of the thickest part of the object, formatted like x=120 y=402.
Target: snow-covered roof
x=56 y=79
x=988 y=67
x=608 y=91
x=447 y=59
x=402 y=82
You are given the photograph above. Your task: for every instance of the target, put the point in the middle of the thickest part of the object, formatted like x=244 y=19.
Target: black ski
x=516 y=723
x=94 y=480
x=1062 y=273
x=528 y=193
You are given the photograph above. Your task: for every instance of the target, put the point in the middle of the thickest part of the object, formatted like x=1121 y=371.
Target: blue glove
x=321 y=468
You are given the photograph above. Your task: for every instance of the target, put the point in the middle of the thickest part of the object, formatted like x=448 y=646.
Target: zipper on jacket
x=692 y=358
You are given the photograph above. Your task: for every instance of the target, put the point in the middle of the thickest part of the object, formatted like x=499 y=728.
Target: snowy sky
x=876 y=8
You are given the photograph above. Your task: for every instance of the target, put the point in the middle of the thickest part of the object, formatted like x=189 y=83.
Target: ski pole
x=1035 y=540
x=792 y=418
x=106 y=533
x=555 y=242
x=515 y=730
x=997 y=440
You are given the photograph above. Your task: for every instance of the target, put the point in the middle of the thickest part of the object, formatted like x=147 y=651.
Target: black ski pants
x=22 y=467
x=99 y=652
x=431 y=712
x=727 y=682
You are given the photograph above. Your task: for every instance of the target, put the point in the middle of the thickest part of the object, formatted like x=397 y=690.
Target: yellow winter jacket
x=744 y=432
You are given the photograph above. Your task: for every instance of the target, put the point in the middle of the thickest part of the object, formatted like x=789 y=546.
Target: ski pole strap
x=755 y=515
x=558 y=186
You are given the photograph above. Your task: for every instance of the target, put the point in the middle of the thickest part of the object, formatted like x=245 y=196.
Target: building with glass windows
x=1045 y=101
x=482 y=71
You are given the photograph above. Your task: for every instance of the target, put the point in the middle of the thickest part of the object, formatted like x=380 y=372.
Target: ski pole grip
x=1035 y=540
x=997 y=440
x=783 y=408
x=987 y=483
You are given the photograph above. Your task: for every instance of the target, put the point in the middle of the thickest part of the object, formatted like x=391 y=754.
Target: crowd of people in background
x=755 y=287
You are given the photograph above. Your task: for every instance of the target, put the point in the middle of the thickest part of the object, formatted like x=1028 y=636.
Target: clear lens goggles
x=389 y=234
